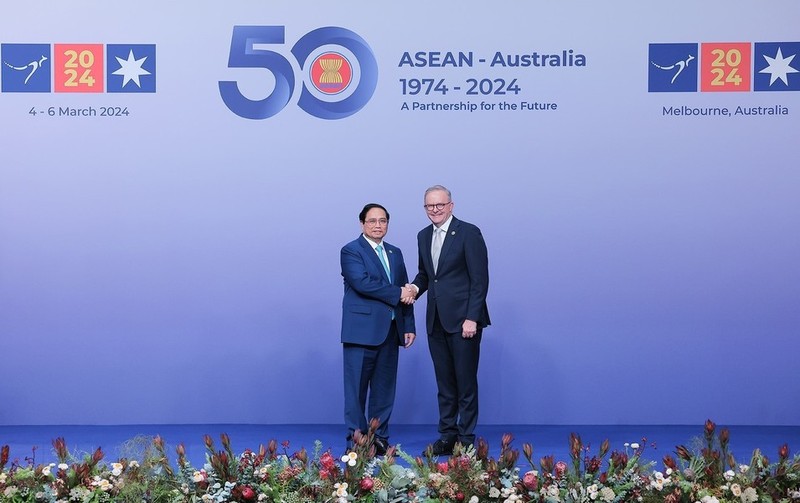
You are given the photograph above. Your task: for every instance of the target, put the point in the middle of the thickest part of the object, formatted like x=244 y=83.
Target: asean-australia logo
x=338 y=72
x=331 y=73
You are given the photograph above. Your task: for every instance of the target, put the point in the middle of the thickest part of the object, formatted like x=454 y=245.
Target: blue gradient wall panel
x=165 y=259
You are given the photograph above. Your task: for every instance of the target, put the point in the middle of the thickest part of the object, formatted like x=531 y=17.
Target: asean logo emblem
x=331 y=73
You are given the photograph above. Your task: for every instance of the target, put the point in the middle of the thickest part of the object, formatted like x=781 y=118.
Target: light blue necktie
x=379 y=249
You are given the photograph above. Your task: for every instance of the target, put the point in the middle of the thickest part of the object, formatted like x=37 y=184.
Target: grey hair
x=439 y=187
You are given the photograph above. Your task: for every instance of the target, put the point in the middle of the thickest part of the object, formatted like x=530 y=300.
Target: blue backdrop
x=165 y=259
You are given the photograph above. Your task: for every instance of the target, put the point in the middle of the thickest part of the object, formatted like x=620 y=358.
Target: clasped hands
x=408 y=294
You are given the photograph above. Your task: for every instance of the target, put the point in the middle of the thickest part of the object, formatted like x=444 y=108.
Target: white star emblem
x=131 y=69
x=779 y=68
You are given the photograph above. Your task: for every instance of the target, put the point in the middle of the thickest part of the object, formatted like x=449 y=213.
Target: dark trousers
x=370 y=373
x=455 y=364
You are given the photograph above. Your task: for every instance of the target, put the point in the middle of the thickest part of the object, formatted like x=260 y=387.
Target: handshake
x=408 y=294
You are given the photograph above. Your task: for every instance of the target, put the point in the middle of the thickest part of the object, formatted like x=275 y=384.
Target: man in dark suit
x=374 y=324
x=454 y=270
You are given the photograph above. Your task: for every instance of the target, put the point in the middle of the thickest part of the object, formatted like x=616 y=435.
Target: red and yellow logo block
x=78 y=68
x=725 y=67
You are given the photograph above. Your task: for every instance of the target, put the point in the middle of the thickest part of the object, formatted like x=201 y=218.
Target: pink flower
x=367 y=484
x=561 y=469
x=443 y=466
x=530 y=481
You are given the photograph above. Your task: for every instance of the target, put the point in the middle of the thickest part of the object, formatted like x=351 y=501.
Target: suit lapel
x=392 y=263
x=372 y=256
x=427 y=236
x=449 y=238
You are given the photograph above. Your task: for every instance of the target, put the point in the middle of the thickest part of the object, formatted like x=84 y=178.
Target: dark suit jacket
x=369 y=296
x=458 y=289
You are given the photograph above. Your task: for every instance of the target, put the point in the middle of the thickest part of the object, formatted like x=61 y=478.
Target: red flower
x=4 y=456
x=327 y=461
x=546 y=463
x=593 y=466
x=367 y=484
x=683 y=453
x=506 y=440
x=248 y=493
x=443 y=466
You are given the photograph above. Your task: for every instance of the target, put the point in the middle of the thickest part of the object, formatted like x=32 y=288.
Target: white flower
x=743 y=468
x=736 y=489
x=474 y=499
x=729 y=475
x=198 y=476
x=3 y=477
x=668 y=471
x=102 y=484
x=494 y=492
x=709 y=499
x=749 y=495
x=134 y=464
x=350 y=458
x=634 y=445
x=607 y=494
x=341 y=490
x=552 y=490
x=116 y=469
x=63 y=466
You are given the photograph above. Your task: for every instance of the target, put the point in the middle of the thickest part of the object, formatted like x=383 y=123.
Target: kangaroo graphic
x=33 y=65
x=681 y=65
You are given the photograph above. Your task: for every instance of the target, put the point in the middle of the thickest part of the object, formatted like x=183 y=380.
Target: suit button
x=436 y=281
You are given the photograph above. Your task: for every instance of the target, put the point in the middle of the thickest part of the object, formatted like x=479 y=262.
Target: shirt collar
x=373 y=244
x=446 y=225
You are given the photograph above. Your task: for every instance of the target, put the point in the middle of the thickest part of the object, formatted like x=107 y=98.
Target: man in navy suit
x=374 y=323
x=454 y=270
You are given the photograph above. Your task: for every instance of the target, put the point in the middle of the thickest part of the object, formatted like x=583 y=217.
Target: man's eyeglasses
x=437 y=206
x=372 y=222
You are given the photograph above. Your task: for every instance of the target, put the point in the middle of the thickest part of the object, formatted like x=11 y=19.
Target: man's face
x=438 y=206
x=375 y=224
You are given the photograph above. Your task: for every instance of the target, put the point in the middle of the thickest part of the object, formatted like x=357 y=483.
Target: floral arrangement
x=470 y=475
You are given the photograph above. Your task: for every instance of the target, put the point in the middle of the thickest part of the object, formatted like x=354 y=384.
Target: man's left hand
x=469 y=329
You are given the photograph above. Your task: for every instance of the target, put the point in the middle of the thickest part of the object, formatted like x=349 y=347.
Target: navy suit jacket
x=458 y=288
x=369 y=296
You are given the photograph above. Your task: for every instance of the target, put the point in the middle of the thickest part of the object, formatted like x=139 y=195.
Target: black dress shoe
x=381 y=445
x=443 y=447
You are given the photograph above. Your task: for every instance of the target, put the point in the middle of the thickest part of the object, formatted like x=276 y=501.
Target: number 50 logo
x=327 y=91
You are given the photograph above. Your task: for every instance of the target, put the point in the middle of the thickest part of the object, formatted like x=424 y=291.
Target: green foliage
x=705 y=473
